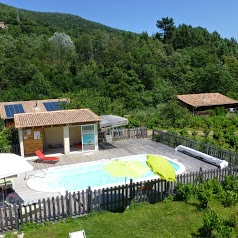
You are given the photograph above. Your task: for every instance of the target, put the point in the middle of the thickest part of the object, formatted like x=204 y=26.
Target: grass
x=160 y=220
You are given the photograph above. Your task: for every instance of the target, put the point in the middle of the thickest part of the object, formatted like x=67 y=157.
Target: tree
x=126 y=86
x=172 y=113
x=167 y=26
x=62 y=46
x=5 y=138
x=187 y=36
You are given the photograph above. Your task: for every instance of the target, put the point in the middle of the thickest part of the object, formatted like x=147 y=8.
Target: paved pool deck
x=107 y=151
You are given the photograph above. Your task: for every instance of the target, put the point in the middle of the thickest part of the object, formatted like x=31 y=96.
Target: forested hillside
x=109 y=70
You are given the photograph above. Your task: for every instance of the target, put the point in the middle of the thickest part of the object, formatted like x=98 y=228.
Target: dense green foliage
x=126 y=71
x=5 y=139
x=52 y=55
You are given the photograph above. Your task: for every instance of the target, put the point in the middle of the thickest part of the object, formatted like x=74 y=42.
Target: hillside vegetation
x=52 y=55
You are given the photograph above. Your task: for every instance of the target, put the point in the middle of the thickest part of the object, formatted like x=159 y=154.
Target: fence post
x=229 y=156
x=175 y=140
x=146 y=132
x=207 y=148
x=131 y=192
x=68 y=203
x=160 y=139
x=128 y=133
x=200 y=176
x=89 y=199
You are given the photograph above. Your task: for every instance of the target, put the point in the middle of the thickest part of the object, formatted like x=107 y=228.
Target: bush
x=183 y=133
x=5 y=135
x=184 y=192
x=233 y=220
x=204 y=194
x=169 y=198
x=213 y=224
x=231 y=183
x=215 y=186
x=231 y=199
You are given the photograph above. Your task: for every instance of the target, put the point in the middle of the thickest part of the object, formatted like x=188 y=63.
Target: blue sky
x=140 y=15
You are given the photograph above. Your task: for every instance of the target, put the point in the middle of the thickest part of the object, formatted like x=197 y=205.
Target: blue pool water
x=79 y=176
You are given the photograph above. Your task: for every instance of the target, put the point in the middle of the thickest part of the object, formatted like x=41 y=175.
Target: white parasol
x=12 y=164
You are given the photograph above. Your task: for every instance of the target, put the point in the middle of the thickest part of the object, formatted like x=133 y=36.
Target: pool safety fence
x=111 y=134
x=174 y=140
x=81 y=203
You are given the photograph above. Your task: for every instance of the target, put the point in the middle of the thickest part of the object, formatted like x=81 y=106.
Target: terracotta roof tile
x=75 y=116
x=206 y=99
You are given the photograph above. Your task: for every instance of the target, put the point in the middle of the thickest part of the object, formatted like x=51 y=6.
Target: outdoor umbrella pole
x=2 y=194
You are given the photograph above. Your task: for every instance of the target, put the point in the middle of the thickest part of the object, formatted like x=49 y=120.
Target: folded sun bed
x=44 y=158
x=208 y=158
x=77 y=234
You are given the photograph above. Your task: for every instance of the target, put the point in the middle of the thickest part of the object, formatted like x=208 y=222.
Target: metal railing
x=174 y=140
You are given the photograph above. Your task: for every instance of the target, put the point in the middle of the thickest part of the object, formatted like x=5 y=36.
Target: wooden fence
x=111 y=199
x=129 y=133
x=174 y=140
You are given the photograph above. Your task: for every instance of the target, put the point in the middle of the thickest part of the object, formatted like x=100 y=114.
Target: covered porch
x=62 y=131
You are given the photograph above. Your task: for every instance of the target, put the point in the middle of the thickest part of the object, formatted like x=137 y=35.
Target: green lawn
x=165 y=220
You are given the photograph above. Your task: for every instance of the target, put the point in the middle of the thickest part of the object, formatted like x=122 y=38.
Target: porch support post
x=20 y=138
x=96 y=135
x=66 y=140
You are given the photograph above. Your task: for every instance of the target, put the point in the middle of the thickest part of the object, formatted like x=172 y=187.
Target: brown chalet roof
x=206 y=99
x=75 y=116
x=29 y=106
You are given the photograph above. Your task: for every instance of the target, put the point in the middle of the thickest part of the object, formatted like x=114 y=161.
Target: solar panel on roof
x=53 y=106
x=13 y=109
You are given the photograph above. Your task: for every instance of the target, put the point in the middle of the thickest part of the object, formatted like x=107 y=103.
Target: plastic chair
x=77 y=234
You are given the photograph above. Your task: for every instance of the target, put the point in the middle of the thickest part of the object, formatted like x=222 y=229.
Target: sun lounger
x=77 y=234
x=44 y=158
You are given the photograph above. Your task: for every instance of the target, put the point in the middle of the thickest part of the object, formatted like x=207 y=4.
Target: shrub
x=184 y=192
x=213 y=224
x=183 y=133
x=5 y=134
x=194 y=134
x=169 y=198
x=215 y=186
x=233 y=220
x=204 y=194
x=231 y=183
x=231 y=199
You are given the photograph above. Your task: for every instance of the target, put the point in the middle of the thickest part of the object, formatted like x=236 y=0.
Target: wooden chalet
x=205 y=101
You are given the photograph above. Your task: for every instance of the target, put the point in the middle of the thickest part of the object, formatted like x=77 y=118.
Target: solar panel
x=53 y=106
x=13 y=109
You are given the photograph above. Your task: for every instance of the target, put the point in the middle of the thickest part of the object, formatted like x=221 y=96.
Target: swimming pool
x=78 y=177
